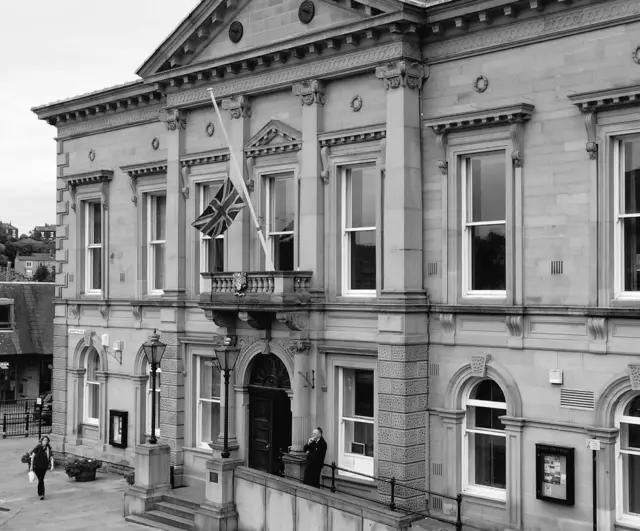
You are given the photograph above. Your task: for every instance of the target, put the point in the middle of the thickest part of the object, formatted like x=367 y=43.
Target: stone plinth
x=294 y=466
x=219 y=511
x=152 y=478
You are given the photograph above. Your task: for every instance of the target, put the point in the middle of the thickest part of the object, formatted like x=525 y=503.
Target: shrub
x=80 y=465
x=130 y=478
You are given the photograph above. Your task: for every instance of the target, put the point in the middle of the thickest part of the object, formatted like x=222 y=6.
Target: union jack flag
x=221 y=212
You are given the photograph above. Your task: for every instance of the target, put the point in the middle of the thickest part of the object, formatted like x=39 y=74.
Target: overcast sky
x=55 y=49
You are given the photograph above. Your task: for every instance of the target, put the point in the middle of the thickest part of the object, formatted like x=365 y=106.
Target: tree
x=41 y=274
x=23 y=236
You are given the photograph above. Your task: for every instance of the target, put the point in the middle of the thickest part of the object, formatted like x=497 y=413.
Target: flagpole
x=234 y=163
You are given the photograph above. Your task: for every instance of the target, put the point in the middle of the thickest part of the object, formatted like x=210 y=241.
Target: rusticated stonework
x=59 y=382
x=171 y=424
x=402 y=403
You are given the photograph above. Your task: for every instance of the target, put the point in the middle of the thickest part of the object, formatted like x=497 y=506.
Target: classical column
x=513 y=429
x=402 y=196
x=63 y=399
x=311 y=205
x=238 y=235
x=300 y=407
x=174 y=248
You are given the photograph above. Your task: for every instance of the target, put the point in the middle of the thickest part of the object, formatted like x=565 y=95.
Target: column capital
x=173 y=119
x=310 y=92
x=514 y=424
x=604 y=435
x=238 y=106
x=450 y=416
x=402 y=74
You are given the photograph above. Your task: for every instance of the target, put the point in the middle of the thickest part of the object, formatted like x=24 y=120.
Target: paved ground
x=68 y=506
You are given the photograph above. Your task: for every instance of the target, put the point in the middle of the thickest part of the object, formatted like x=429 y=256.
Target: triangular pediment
x=204 y=35
x=275 y=137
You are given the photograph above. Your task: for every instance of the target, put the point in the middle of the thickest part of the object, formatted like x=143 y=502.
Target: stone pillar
x=606 y=471
x=62 y=401
x=175 y=249
x=402 y=401
x=171 y=421
x=152 y=478
x=513 y=428
x=75 y=399
x=311 y=207
x=140 y=401
x=402 y=185
x=219 y=513
x=238 y=235
x=103 y=377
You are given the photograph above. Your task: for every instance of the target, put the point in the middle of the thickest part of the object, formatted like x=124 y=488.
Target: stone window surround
x=91 y=194
x=335 y=362
x=151 y=185
x=198 y=357
x=151 y=199
x=339 y=157
x=621 y=517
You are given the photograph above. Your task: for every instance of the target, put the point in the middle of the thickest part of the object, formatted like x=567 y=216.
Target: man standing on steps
x=316 y=449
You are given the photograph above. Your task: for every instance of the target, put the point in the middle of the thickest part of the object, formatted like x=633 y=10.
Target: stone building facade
x=455 y=295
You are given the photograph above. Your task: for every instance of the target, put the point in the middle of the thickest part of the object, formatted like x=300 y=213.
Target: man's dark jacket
x=316 y=452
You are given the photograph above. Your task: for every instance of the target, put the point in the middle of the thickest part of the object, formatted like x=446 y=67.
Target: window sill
x=498 y=300
x=91 y=423
x=92 y=296
x=626 y=301
x=627 y=523
x=496 y=497
x=357 y=299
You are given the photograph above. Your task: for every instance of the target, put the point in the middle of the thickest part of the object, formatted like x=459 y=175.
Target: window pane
x=283 y=252
x=363 y=259
x=209 y=380
x=631 y=191
x=631 y=251
x=364 y=393
x=488 y=390
x=361 y=197
x=487 y=418
x=631 y=471
x=159 y=217
x=488 y=455
x=283 y=205
x=96 y=223
x=487 y=188
x=93 y=401
x=158 y=266
x=209 y=421
x=93 y=364
x=488 y=265
x=214 y=255
x=358 y=438
x=96 y=268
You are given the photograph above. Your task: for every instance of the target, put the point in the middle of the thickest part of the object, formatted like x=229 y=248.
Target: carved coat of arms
x=239 y=284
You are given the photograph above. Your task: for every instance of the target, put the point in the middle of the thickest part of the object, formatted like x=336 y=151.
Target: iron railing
x=23 y=417
x=393 y=483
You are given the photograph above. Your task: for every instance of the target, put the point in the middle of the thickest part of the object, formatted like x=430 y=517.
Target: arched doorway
x=270 y=413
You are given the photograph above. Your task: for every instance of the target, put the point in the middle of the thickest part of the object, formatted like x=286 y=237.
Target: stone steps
x=169 y=514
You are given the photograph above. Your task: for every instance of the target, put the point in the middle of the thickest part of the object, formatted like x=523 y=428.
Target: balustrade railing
x=258 y=282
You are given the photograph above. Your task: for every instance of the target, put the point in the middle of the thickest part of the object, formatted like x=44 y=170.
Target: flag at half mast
x=221 y=211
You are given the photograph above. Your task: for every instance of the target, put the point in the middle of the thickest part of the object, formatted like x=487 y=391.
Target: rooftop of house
x=8 y=226
x=33 y=318
x=45 y=227
x=37 y=257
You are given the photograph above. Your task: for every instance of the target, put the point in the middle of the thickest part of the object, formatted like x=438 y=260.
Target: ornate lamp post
x=154 y=350
x=225 y=364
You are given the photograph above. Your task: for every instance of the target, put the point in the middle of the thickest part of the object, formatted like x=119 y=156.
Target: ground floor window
x=356 y=431
x=92 y=388
x=629 y=461
x=208 y=393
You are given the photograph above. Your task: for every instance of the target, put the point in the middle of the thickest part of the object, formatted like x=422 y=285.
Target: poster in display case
x=118 y=421
x=555 y=474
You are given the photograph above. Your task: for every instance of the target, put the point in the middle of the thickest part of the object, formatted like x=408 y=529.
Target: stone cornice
x=481 y=118
x=551 y=26
x=146 y=168
x=90 y=177
x=260 y=143
x=607 y=99
x=360 y=61
x=351 y=136
x=207 y=157
x=110 y=122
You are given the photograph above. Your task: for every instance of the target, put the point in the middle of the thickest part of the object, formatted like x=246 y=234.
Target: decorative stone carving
x=155 y=143
x=356 y=103
x=383 y=156
x=448 y=322
x=104 y=310
x=72 y=195
x=236 y=31
x=87 y=337
x=257 y=320
x=137 y=312
x=310 y=92
x=514 y=325
x=74 y=311
x=250 y=162
x=325 y=172
x=597 y=328
x=104 y=193
x=184 y=176
x=239 y=281
x=441 y=142
x=516 y=130
x=479 y=365
x=634 y=376
x=481 y=84
x=590 y=121
x=306 y=11
x=210 y=129
x=401 y=74
x=173 y=119
x=222 y=319
x=92 y=155
x=293 y=321
x=300 y=346
x=238 y=107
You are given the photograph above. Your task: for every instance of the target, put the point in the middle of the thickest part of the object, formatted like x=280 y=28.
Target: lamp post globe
x=153 y=350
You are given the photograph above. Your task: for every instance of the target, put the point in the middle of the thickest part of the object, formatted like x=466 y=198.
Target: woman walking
x=41 y=461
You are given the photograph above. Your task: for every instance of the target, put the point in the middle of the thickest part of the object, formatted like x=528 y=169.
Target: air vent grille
x=434 y=369
x=577 y=399
x=432 y=269
x=436 y=503
x=557 y=267
x=436 y=469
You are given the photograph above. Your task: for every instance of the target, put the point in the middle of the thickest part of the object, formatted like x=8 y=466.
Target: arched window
x=628 y=450
x=92 y=388
x=484 y=458
x=149 y=391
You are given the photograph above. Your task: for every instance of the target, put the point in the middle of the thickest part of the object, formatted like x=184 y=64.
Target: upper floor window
x=626 y=160
x=484 y=455
x=359 y=229
x=5 y=316
x=628 y=446
x=211 y=249
x=156 y=240
x=484 y=224
x=28 y=264
x=93 y=247
x=281 y=204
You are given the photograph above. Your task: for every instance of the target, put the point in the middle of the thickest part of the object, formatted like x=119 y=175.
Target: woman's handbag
x=32 y=476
